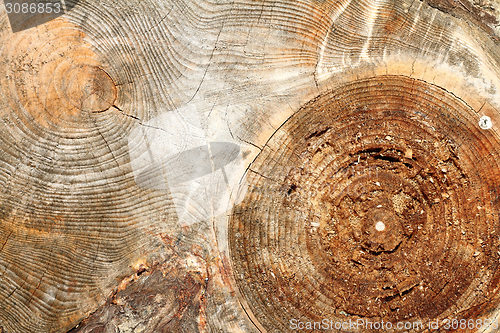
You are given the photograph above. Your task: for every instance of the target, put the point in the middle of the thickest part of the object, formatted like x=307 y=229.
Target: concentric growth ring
x=378 y=200
x=55 y=79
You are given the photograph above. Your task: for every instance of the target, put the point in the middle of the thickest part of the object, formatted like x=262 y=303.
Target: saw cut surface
x=227 y=166
x=375 y=201
x=54 y=79
x=73 y=222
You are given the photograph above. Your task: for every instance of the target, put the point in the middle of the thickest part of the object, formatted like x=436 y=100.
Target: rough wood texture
x=343 y=113
x=378 y=201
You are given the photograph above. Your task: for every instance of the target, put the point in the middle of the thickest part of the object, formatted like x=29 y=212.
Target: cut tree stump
x=250 y=166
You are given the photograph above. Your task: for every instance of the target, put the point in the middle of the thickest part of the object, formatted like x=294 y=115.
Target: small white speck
x=377 y=183
x=485 y=122
x=379 y=206
x=380 y=226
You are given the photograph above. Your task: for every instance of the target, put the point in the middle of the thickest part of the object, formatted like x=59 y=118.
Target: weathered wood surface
x=221 y=166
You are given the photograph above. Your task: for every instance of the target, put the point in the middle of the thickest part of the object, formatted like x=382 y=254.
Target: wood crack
x=6 y=240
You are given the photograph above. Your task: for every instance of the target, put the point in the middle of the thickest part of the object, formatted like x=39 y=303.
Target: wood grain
x=82 y=95
x=73 y=219
x=389 y=150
